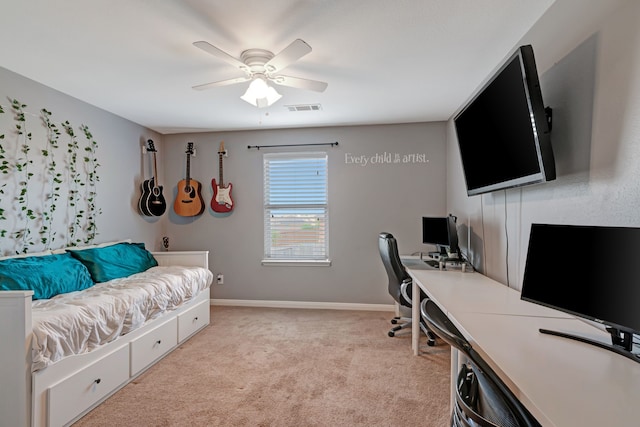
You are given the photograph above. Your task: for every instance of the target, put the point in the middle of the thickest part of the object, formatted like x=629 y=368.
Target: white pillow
x=80 y=248
x=43 y=253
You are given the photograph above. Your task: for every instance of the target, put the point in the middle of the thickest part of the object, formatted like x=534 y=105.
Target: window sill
x=296 y=263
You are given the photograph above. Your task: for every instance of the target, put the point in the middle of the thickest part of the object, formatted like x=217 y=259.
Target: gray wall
x=590 y=75
x=589 y=66
x=363 y=201
x=589 y=69
x=119 y=155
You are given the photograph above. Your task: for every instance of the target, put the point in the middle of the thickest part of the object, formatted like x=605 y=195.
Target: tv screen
x=441 y=232
x=589 y=271
x=503 y=132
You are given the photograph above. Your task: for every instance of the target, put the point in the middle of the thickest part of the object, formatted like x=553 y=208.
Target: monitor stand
x=440 y=253
x=622 y=341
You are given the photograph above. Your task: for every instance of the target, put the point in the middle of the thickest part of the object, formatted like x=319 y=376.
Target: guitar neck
x=220 y=168
x=155 y=169
x=188 y=168
x=152 y=149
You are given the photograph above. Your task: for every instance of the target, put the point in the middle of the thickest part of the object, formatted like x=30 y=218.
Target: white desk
x=561 y=381
x=473 y=292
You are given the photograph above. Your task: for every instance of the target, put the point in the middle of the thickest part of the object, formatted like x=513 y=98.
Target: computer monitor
x=595 y=278
x=441 y=232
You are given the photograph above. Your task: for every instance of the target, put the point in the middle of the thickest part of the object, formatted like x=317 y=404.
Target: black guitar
x=152 y=202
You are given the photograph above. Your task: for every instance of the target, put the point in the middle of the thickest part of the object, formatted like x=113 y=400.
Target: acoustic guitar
x=152 y=202
x=221 y=200
x=189 y=200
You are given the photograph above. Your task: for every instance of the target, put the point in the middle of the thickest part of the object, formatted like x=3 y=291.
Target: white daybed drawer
x=152 y=345
x=77 y=393
x=193 y=319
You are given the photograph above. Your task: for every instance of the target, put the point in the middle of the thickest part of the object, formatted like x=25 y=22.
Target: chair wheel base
x=394 y=321
x=392 y=334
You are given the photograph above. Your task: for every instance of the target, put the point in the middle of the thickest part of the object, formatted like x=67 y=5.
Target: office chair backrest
x=480 y=403
x=395 y=270
x=440 y=324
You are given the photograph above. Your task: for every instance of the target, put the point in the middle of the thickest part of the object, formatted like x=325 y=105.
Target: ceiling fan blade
x=299 y=83
x=296 y=50
x=221 y=83
x=220 y=54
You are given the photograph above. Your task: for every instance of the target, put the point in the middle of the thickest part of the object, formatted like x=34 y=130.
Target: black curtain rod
x=290 y=145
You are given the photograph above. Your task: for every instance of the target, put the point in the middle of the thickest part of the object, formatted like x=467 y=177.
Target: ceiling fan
x=261 y=66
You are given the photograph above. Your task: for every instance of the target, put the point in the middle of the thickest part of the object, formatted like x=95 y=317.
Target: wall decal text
x=385 y=158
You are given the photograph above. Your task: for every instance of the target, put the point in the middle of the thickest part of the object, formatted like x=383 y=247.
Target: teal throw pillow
x=115 y=261
x=47 y=276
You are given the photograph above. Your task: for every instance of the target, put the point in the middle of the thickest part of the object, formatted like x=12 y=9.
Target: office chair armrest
x=406 y=283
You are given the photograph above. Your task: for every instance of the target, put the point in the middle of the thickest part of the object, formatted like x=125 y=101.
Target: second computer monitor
x=441 y=232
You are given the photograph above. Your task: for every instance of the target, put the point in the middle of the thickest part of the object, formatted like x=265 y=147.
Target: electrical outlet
x=220 y=278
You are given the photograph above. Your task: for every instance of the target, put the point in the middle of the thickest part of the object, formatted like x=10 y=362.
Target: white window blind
x=295 y=207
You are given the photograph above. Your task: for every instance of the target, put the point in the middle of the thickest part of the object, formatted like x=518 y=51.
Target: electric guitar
x=221 y=200
x=152 y=202
x=189 y=200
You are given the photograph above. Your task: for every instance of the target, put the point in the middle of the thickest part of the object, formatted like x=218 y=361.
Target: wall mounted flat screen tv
x=503 y=132
x=596 y=277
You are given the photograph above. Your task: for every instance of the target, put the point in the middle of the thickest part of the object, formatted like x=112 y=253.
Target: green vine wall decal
x=4 y=169
x=73 y=199
x=47 y=233
x=91 y=168
x=21 y=166
x=48 y=182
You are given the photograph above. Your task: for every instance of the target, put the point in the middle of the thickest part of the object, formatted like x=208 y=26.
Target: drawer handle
x=158 y=342
x=195 y=318
x=97 y=381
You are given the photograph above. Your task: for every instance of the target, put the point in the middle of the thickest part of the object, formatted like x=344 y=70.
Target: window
x=295 y=208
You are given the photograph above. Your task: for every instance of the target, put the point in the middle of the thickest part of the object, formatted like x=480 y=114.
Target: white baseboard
x=304 y=304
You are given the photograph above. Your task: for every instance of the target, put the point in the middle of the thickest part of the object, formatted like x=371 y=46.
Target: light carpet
x=288 y=367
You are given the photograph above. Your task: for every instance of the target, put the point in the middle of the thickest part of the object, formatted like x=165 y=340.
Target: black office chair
x=399 y=284
x=482 y=399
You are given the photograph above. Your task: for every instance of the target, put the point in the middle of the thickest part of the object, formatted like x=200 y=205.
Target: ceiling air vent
x=304 y=107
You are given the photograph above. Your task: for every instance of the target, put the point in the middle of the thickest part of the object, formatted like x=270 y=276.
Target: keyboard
x=417 y=264
x=432 y=263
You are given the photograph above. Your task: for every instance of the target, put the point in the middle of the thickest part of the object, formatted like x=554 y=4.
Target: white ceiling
x=386 y=61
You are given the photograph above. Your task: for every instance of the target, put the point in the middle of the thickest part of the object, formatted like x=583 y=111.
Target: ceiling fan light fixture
x=260 y=94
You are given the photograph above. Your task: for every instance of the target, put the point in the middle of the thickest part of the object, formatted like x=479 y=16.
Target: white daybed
x=41 y=390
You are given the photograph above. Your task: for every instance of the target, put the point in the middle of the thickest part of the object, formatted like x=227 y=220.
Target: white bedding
x=78 y=322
